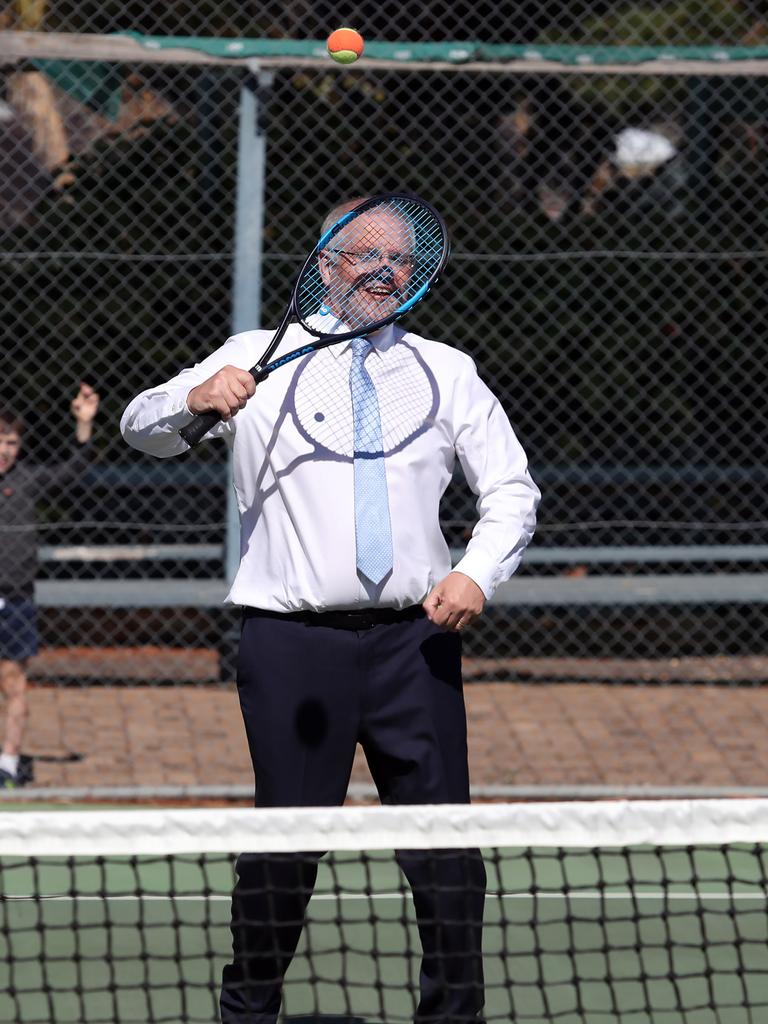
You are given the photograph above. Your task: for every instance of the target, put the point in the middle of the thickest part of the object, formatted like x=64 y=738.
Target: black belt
x=362 y=618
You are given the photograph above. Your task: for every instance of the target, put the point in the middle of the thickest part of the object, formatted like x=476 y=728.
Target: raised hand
x=85 y=404
x=84 y=407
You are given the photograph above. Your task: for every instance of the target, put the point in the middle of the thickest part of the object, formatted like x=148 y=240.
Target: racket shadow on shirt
x=318 y=402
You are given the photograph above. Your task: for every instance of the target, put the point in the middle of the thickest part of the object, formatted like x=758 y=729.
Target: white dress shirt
x=293 y=469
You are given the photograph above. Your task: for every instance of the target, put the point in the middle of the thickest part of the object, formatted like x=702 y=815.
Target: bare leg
x=13 y=686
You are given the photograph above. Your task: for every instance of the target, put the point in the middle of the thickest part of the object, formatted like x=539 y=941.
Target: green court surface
x=643 y=937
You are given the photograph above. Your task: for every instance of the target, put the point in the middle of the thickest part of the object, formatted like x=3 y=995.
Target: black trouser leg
x=415 y=739
x=448 y=894
x=268 y=907
x=300 y=707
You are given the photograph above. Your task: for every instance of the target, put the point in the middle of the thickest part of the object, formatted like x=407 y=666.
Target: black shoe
x=26 y=771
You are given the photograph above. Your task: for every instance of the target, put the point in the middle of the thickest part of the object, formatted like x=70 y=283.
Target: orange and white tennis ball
x=345 y=45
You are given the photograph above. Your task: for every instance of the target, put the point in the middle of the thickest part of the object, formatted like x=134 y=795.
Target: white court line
x=351 y=897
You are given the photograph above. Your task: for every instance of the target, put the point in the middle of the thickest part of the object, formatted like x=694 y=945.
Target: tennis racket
x=368 y=269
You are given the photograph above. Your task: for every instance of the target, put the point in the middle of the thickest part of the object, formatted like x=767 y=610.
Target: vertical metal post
x=249 y=229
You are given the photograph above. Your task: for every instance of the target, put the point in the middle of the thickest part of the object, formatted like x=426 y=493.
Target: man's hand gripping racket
x=374 y=264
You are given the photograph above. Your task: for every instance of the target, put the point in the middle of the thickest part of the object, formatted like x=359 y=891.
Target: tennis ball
x=345 y=45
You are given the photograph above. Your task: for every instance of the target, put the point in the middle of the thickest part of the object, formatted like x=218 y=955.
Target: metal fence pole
x=249 y=228
x=246 y=296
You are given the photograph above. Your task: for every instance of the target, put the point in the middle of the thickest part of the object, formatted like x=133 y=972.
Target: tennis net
x=595 y=913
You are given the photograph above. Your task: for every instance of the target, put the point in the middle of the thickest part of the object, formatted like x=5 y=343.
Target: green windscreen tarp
x=455 y=52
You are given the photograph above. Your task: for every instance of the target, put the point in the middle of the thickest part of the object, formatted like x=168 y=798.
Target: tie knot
x=360 y=347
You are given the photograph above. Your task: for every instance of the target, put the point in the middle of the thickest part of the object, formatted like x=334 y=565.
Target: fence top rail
x=536 y=555
x=468 y=55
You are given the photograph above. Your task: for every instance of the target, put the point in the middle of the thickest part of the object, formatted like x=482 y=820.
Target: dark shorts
x=19 y=638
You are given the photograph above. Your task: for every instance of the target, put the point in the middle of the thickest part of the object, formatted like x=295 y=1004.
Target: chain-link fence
x=609 y=276
x=603 y=22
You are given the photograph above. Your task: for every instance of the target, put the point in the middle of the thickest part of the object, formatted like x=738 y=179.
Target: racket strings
x=322 y=401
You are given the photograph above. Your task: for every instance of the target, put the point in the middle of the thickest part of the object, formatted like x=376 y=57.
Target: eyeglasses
x=369 y=257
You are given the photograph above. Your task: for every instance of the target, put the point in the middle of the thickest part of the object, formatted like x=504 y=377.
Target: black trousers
x=309 y=693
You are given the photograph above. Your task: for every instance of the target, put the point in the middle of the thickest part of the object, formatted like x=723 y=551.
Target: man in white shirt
x=351 y=613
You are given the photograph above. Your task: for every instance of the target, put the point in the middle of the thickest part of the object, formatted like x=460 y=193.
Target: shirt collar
x=381 y=340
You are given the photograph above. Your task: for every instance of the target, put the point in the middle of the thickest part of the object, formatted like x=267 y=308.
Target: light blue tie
x=373 y=533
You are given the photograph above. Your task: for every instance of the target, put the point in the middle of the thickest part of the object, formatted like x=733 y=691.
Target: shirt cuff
x=176 y=412
x=476 y=567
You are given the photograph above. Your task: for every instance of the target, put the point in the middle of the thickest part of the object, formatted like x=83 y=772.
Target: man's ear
x=324 y=266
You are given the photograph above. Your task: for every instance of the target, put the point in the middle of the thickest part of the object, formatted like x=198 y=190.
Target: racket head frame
x=193 y=432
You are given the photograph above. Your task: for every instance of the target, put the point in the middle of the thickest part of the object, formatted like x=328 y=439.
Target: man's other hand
x=455 y=602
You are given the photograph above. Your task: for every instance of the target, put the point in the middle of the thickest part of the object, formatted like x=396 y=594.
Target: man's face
x=367 y=267
x=10 y=445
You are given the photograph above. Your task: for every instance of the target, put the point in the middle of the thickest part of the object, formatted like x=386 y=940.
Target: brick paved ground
x=538 y=733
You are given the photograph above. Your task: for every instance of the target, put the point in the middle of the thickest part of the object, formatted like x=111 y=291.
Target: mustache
x=385 y=277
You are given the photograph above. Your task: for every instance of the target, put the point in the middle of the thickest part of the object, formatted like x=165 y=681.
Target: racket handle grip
x=196 y=430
